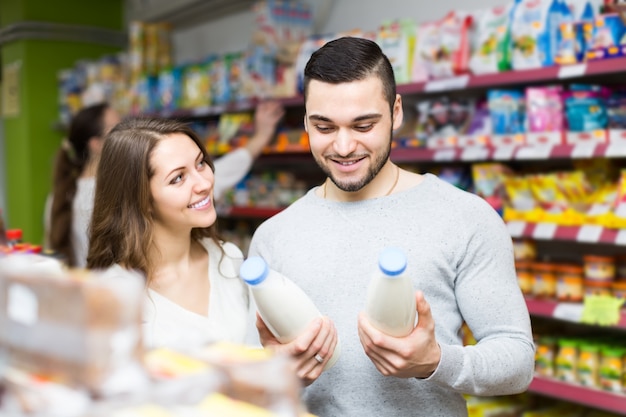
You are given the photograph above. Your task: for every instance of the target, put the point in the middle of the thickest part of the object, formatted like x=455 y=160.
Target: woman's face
x=182 y=185
x=110 y=118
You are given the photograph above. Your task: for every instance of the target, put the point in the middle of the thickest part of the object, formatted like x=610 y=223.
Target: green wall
x=31 y=139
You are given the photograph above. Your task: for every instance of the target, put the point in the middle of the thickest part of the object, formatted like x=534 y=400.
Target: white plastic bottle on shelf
x=284 y=307
x=390 y=305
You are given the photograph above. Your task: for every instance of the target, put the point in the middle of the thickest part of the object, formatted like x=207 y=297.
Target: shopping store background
x=191 y=42
x=569 y=233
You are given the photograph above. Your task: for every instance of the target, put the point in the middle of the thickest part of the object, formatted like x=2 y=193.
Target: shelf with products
x=235 y=107
x=509 y=152
x=566 y=311
x=481 y=153
x=579 y=394
x=540 y=75
x=552 y=74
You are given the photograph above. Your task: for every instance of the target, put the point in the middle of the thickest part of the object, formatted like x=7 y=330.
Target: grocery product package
x=491 y=40
x=442 y=48
x=70 y=326
x=534 y=31
x=258 y=376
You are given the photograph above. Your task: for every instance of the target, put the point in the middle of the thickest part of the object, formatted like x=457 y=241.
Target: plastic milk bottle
x=283 y=306
x=390 y=305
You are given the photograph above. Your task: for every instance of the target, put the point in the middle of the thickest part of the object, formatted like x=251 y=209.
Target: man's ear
x=306 y=125
x=398 y=113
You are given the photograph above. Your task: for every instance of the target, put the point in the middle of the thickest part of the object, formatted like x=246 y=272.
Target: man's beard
x=372 y=172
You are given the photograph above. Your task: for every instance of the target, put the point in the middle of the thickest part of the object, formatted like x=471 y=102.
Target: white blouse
x=82 y=206
x=230 y=316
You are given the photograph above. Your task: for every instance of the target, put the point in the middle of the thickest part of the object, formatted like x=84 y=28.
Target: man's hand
x=415 y=355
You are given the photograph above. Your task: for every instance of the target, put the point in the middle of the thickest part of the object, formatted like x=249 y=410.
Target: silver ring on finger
x=318 y=358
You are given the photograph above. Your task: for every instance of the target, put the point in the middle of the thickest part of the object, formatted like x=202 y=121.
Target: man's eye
x=364 y=128
x=324 y=129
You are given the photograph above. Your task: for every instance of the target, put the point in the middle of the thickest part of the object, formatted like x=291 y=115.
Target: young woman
x=74 y=182
x=77 y=162
x=154 y=213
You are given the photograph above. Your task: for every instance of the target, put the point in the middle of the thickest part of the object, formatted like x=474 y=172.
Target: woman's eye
x=177 y=179
x=202 y=164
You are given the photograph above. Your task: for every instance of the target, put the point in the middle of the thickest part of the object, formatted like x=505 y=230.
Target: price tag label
x=569 y=71
x=452 y=83
x=445 y=154
x=589 y=233
x=504 y=153
x=534 y=152
x=620 y=210
x=544 y=231
x=602 y=310
x=568 y=311
x=475 y=153
x=516 y=228
x=204 y=110
x=598 y=209
x=615 y=149
x=620 y=239
x=583 y=150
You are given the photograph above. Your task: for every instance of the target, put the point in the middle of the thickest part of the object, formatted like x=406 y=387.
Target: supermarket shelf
x=564 y=311
x=578 y=394
x=217 y=110
x=581 y=234
x=507 y=153
x=461 y=82
x=519 y=77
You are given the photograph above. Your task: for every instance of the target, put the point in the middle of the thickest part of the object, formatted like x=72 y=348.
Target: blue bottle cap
x=392 y=261
x=253 y=270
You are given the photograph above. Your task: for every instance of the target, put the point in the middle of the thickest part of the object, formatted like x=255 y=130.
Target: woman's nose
x=203 y=180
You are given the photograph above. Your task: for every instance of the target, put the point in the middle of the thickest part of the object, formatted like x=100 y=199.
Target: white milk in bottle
x=283 y=306
x=390 y=305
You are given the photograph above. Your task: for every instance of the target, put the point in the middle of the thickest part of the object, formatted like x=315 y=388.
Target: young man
x=460 y=259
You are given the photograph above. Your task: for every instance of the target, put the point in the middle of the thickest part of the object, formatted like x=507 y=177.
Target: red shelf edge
x=606 y=235
x=578 y=394
x=542 y=308
x=253 y=212
x=546 y=308
x=400 y=154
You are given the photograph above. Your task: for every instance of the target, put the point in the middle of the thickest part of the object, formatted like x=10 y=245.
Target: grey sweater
x=459 y=254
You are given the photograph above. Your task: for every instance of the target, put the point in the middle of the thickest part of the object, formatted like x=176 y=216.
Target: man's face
x=350 y=127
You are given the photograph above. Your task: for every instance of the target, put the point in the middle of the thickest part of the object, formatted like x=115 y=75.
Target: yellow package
x=519 y=193
x=219 y=405
x=167 y=363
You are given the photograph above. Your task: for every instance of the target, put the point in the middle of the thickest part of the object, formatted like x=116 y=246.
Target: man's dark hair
x=350 y=59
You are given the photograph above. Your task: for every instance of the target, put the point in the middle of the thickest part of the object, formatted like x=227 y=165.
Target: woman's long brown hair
x=122 y=223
